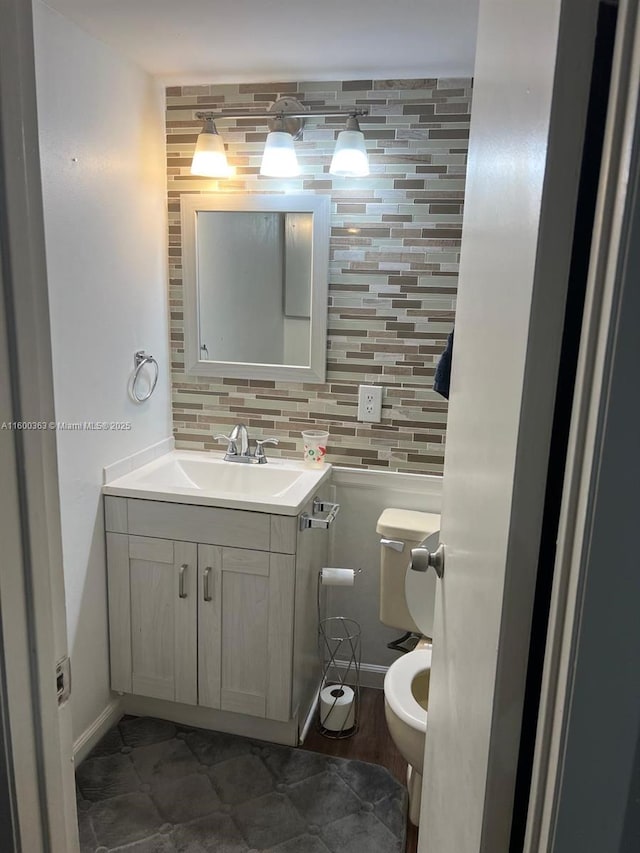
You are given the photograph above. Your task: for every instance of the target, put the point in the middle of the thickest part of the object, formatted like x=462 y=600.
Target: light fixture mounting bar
x=286 y=114
x=216 y=116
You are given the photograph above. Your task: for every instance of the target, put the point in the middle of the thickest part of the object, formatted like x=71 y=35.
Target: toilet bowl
x=406 y=692
x=407 y=602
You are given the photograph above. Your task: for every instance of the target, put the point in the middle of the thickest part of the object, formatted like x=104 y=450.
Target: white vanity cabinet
x=245 y=630
x=213 y=607
x=152 y=600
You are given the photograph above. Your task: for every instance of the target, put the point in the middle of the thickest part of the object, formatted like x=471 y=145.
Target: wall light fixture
x=279 y=159
x=210 y=158
x=285 y=119
x=350 y=156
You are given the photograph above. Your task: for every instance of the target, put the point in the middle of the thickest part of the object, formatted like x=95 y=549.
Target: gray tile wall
x=395 y=243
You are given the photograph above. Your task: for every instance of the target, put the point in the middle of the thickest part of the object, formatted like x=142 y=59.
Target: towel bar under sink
x=308 y=521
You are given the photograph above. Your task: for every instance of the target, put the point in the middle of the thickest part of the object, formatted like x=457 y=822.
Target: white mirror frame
x=320 y=207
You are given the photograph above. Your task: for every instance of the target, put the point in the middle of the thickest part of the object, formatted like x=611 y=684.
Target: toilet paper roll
x=337 y=577
x=337 y=708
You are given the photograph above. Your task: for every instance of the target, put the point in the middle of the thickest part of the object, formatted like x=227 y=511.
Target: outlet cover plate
x=370 y=403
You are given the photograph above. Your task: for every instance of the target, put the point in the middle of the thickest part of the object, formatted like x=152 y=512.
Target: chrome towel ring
x=139 y=360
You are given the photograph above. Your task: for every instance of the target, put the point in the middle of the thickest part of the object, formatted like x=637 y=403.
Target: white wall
x=102 y=151
x=354 y=543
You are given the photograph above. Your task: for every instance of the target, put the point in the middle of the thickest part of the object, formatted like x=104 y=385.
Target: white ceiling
x=192 y=41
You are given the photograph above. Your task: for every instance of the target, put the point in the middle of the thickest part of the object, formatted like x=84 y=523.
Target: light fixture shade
x=209 y=157
x=350 y=156
x=279 y=159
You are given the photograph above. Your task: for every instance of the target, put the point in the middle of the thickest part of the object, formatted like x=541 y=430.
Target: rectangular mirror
x=255 y=276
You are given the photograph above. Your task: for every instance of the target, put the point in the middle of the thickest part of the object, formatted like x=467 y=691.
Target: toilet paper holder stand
x=340 y=656
x=339 y=640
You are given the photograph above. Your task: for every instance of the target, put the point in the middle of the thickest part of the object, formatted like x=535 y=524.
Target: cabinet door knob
x=181 y=590
x=206 y=585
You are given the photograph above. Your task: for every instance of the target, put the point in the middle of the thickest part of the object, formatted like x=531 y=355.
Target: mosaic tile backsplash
x=395 y=243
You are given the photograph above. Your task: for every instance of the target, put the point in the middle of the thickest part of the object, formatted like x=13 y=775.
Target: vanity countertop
x=203 y=478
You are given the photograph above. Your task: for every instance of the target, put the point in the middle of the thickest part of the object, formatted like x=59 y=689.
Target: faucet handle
x=260 y=442
x=231 y=443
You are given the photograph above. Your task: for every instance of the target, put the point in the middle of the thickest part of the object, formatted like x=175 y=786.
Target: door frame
x=31 y=580
x=31 y=587
x=533 y=71
x=593 y=625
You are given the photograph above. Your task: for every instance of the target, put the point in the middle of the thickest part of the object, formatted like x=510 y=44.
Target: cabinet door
x=245 y=633
x=163 y=588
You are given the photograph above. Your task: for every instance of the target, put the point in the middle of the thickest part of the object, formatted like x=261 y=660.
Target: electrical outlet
x=370 y=403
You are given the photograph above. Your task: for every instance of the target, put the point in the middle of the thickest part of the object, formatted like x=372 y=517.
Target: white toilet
x=407 y=601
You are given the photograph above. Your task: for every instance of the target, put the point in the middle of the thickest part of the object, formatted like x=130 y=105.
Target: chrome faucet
x=239 y=440
x=238 y=446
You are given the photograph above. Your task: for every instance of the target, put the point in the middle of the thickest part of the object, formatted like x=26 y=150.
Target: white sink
x=280 y=486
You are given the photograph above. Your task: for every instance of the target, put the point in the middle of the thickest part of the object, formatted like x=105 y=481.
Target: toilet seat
x=397 y=688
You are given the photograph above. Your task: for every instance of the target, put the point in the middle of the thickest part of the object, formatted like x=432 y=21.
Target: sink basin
x=215 y=475
x=281 y=486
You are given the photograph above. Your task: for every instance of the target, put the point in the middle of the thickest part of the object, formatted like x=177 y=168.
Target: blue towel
x=443 y=370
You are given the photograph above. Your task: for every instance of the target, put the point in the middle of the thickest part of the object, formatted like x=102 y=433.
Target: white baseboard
x=371 y=674
x=308 y=720
x=97 y=730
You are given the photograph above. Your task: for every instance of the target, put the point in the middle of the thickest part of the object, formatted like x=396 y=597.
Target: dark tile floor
x=372 y=743
x=153 y=787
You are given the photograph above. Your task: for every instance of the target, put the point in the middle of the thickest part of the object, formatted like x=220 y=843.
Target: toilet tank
x=401 y=530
